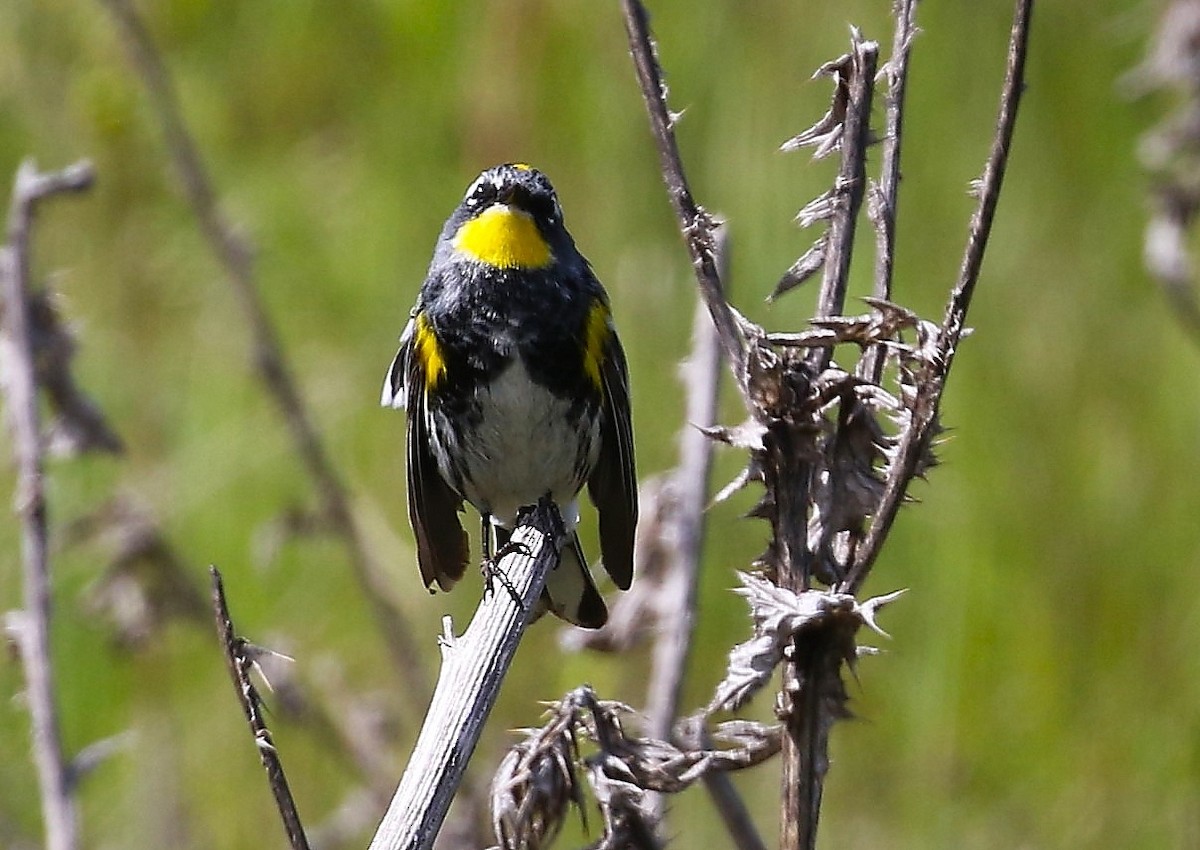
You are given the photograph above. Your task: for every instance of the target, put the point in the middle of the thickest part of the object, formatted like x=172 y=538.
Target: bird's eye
x=482 y=195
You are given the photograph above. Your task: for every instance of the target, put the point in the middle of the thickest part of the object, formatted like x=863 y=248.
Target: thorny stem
x=236 y=258
x=695 y=223
x=896 y=71
x=805 y=672
x=234 y=649
x=698 y=233
x=812 y=684
x=916 y=436
x=850 y=184
x=811 y=668
x=888 y=188
x=32 y=627
x=804 y=750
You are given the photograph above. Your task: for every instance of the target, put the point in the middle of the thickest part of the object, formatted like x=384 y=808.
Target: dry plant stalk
x=473 y=668
x=240 y=656
x=235 y=255
x=32 y=360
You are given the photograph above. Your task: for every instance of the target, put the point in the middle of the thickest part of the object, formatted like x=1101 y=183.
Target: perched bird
x=516 y=387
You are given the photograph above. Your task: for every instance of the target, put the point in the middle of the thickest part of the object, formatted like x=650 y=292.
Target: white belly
x=524 y=448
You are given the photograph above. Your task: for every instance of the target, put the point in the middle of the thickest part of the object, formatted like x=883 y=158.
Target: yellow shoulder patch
x=595 y=338
x=429 y=353
x=505 y=238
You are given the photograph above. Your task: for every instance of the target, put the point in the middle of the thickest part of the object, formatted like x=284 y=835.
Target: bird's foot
x=492 y=572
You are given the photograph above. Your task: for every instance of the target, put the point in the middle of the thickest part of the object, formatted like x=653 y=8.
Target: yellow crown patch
x=505 y=238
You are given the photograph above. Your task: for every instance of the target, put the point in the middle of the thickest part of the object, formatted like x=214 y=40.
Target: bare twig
x=694 y=221
x=32 y=626
x=701 y=236
x=683 y=536
x=885 y=195
x=240 y=660
x=895 y=72
x=915 y=439
x=683 y=533
x=684 y=529
x=473 y=667
x=236 y=258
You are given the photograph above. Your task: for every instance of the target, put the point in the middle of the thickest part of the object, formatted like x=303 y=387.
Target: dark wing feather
x=395 y=393
x=433 y=506
x=613 y=484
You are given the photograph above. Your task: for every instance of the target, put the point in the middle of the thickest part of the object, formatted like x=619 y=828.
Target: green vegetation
x=1041 y=686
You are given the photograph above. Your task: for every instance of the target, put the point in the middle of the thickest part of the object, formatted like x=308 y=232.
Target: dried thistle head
x=823 y=443
x=828 y=619
x=539 y=778
x=537 y=782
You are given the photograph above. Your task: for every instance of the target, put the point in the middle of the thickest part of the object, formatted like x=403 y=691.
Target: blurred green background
x=1042 y=687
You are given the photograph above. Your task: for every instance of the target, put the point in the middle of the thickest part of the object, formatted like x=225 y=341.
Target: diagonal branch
x=473 y=668
x=32 y=626
x=695 y=222
x=239 y=659
x=237 y=261
x=915 y=439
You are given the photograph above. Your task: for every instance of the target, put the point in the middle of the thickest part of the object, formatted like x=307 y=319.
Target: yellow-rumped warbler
x=516 y=386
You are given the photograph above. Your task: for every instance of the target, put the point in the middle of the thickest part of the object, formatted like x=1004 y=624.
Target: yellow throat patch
x=505 y=238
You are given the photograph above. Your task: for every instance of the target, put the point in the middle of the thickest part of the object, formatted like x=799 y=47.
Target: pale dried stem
x=685 y=529
x=473 y=668
x=32 y=626
x=684 y=532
